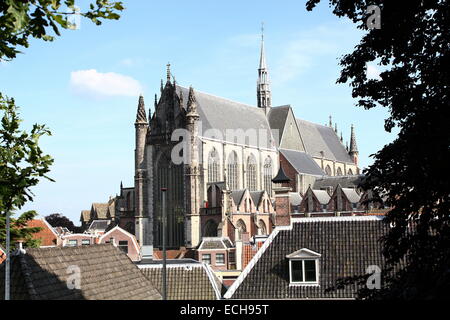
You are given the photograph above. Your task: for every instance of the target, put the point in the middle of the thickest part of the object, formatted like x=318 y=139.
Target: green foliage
x=20 y=20
x=22 y=165
x=413 y=48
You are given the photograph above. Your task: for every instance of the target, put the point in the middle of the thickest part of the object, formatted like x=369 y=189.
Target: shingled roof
x=185 y=281
x=106 y=273
x=319 y=138
x=302 y=162
x=352 y=181
x=238 y=116
x=346 y=245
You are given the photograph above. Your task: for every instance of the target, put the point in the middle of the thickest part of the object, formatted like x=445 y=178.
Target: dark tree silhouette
x=413 y=48
x=58 y=220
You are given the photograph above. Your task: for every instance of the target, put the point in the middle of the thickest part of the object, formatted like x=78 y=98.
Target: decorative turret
x=353 y=152
x=282 y=199
x=141 y=117
x=264 y=94
x=192 y=104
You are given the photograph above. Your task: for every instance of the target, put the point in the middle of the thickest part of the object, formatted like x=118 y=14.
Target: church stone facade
x=231 y=152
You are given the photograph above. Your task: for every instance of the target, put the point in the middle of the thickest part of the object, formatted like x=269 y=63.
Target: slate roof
x=237 y=196
x=106 y=274
x=318 y=138
x=345 y=182
x=256 y=196
x=347 y=245
x=99 y=225
x=221 y=114
x=302 y=162
x=277 y=119
x=322 y=196
x=295 y=198
x=215 y=243
x=193 y=281
x=351 y=195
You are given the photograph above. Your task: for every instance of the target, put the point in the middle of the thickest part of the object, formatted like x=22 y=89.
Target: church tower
x=141 y=128
x=353 y=152
x=263 y=85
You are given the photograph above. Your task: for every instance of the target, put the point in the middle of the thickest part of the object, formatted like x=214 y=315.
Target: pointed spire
x=353 y=146
x=192 y=102
x=281 y=177
x=346 y=145
x=141 y=117
x=156 y=100
x=162 y=86
x=121 y=185
x=330 y=123
x=168 y=73
x=264 y=94
x=342 y=139
x=335 y=127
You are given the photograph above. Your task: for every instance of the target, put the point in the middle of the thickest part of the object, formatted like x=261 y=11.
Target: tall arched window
x=268 y=175
x=251 y=173
x=241 y=228
x=339 y=172
x=328 y=170
x=210 y=229
x=233 y=171
x=350 y=172
x=213 y=166
x=262 y=230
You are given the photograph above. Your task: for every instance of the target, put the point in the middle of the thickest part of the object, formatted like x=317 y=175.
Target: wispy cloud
x=96 y=84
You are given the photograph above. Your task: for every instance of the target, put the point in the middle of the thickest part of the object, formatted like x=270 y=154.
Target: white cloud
x=93 y=83
x=373 y=72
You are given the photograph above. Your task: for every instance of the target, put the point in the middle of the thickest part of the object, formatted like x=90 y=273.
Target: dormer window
x=304 y=267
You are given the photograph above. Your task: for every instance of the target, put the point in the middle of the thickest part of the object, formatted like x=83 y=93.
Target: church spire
x=141 y=117
x=353 y=152
x=263 y=85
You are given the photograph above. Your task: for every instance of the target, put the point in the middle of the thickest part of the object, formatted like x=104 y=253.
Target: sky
x=85 y=85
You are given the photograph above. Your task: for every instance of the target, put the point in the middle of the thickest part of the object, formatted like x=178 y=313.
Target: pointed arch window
x=268 y=167
x=241 y=228
x=251 y=173
x=350 y=172
x=213 y=166
x=328 y=170
x=233 y=171
x=262 y=229
x=339 y=172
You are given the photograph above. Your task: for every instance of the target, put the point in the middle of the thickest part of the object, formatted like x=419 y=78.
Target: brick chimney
x=282 y=199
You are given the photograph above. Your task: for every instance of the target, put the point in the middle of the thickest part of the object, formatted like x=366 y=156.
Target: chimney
x=282 y=199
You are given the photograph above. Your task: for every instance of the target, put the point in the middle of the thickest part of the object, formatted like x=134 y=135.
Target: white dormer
x=304 y=268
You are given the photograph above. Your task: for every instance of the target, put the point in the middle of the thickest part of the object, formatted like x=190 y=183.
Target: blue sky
x=84 y=86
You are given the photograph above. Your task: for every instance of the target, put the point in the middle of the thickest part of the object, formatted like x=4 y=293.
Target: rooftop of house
x=106 y=273
x=215 y=243
x=47 y=235
x=187 y=279
x=344 y=246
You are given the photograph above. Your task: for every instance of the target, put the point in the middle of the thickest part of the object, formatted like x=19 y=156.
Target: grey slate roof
x=214 y=243
x=302 y=162
x=347 y=247
x=322 y=196
x=351 y=195
x=221 y=114
x=237 y=196
x=185 y=281
x=99 y=225
x=101 y=209
x=256 y=196
x=277 y=119
x=322 y=138
x=345 y=182
x=295 y=198
x=106 y=274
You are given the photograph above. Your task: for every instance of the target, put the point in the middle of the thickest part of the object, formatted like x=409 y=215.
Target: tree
x=412 y=46
x=58 y=220
x=22 y=162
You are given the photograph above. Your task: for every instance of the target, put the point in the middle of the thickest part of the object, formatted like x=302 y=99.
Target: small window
x=304 y=271
x=304 y=267
x=72 y=243
x=220 y=258
x=206 y=258
x=123 y=245
x=231 y=257
x=85 y=242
